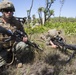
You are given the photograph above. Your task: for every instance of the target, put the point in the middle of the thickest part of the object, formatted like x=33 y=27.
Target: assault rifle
x=17 y=36
x=59 y=41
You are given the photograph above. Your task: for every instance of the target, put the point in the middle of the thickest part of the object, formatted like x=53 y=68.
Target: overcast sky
x=21 y=6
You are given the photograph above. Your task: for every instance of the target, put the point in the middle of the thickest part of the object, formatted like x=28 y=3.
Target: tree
x=62 y=3
x=29 y=12
x=40 y=10
x=47 y=11
x=34 y=19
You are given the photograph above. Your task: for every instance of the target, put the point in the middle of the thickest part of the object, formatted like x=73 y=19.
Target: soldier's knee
x=21 y=46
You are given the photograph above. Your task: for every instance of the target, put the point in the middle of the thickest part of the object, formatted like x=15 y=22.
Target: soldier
x=8 y=21
x=50 y=35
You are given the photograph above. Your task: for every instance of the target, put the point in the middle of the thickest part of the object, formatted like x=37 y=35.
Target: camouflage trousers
x=21 y=46
x=3 y=57
x=19 y=49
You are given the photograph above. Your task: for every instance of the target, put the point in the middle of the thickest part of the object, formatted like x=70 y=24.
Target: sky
x=21 y=7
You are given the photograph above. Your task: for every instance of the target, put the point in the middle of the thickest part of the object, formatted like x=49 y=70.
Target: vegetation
x=50 y=61
x=67 y=24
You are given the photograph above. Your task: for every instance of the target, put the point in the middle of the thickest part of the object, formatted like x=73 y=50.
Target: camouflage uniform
x=51 y=34
x=10 y=26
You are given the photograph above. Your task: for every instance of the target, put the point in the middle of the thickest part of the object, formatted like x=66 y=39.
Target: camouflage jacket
x=10 y=26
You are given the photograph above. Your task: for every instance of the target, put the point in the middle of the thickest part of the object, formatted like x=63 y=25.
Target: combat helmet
x=54 y=32
x=6 y=5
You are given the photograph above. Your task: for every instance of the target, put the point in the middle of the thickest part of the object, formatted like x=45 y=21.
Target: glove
x=9 y=32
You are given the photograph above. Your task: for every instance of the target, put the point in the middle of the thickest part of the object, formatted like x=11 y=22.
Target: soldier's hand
x=54 y=46
x=10 y=32
x=25 y=39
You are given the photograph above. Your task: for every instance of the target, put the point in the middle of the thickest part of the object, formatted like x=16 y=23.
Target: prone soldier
x=49 y=37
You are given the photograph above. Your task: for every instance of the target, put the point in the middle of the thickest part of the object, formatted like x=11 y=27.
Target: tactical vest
x=8 y=26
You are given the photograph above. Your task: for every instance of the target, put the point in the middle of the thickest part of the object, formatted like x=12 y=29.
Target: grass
x=49 y=62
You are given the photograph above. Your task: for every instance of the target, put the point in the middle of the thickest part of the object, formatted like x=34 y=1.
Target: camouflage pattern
x=52 y=32
x=6 y=5
x=10 y=26
x=3 y=57
x=21 y=48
